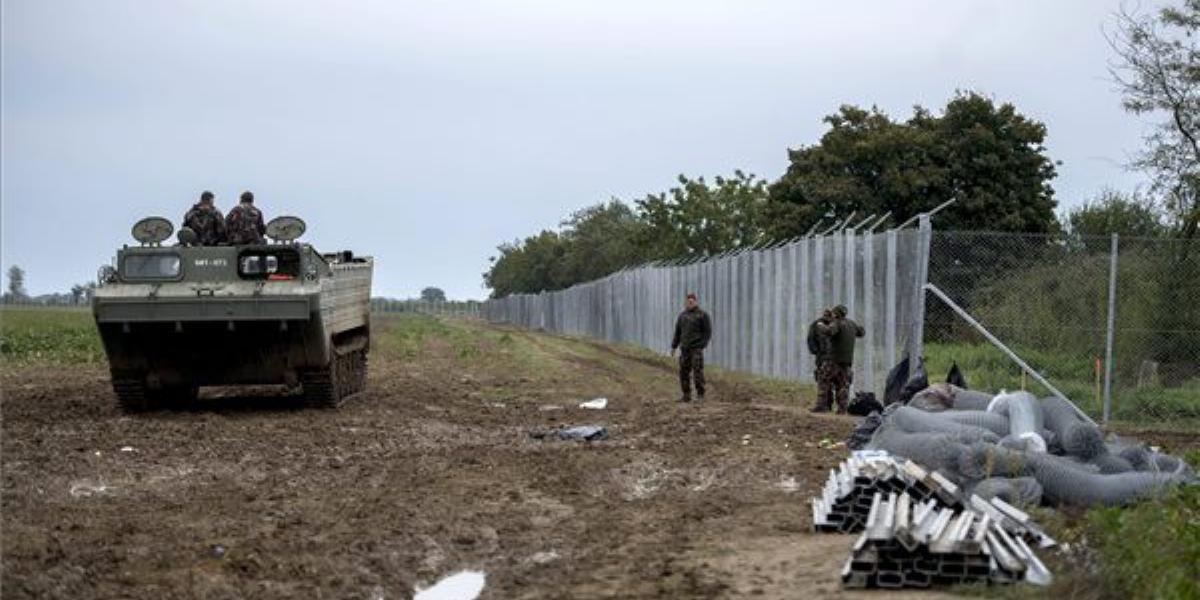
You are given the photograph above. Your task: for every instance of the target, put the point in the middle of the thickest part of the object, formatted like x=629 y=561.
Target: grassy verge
x=986 y=368
x=49 y=335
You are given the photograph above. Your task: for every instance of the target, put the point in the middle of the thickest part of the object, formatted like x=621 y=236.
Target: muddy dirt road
x=430 y=472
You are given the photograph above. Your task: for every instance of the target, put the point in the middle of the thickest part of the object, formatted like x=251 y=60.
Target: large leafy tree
x=433 y=294
x=697 y=218
x=1158 y=71
x=527 y=266
x=988 y=157
x=599 y=240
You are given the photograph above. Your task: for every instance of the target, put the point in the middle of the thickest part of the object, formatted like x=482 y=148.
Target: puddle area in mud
x=465 y=585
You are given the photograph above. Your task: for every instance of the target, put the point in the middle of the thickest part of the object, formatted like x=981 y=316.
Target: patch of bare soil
x=429 y=472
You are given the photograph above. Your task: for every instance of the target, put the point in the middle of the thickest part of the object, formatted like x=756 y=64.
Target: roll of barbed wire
x=937 y=451
x=1083 y=440
x=1111 y=463
x=971 y=399
x=1058 y=414
x=1063 y=482
x=914 y=420
x=1174 y=466
x=1013 y=490
x=1024 y=414
x=997 y=424
x=1138 y=456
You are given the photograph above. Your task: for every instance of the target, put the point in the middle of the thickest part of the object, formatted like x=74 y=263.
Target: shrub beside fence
x=1048 y=297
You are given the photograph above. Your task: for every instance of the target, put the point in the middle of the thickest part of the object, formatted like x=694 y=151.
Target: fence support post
x=916 y=341
x=1005 y=349
x=1110 y=333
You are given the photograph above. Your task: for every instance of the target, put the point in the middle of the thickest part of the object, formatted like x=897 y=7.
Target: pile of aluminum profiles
x=908 y=542
x=846 y=499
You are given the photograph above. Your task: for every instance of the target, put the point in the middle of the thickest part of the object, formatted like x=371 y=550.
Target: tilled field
x=430 y=472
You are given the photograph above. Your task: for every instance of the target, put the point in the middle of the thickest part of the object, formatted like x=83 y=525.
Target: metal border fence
x=761 y=300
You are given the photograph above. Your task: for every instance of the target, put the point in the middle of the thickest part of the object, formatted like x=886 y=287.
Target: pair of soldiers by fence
x=831 y=339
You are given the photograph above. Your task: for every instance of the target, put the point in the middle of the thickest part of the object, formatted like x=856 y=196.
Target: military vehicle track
x=133 y=395
x=331 y=386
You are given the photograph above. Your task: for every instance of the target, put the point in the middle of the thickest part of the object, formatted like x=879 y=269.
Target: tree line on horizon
x=984 y=154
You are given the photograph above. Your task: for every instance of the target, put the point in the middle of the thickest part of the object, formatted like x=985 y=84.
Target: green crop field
x=48 y=335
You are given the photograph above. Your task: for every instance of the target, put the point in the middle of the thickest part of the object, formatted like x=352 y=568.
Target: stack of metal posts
x=847 y=497
x=911 y=543
x=919 y=529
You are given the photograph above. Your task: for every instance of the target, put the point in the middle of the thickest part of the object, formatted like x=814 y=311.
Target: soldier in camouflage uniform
x=244 y=225
x=693 y=330
x=206 y=220
x=837 y=374
x=820 y=344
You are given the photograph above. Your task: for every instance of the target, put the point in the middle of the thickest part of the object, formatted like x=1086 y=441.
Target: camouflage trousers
x=833 y=383
x=691 y=366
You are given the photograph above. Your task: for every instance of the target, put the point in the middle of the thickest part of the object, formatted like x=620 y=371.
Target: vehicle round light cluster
x=152 y=230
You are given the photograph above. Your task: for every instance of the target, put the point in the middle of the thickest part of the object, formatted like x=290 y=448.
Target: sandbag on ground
x=935 y=398
x=913 y=420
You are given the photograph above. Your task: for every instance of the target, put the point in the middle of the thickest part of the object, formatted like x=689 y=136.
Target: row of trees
x=15 y=293
x=985 y=155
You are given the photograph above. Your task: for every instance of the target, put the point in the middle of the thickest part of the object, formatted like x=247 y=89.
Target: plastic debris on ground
x=597 y=404
x=466 y=585
x=588 y=433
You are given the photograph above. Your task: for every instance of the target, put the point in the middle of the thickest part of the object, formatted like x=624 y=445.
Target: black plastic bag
x=917 y=382
x=955 y=376
x=863 y=404
x=861 y=436
x=895 y=382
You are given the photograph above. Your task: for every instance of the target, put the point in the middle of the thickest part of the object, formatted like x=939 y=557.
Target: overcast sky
x=426 y=133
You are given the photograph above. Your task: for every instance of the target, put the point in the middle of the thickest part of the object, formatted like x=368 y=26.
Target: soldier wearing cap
x=244 y=225
x=206 y=220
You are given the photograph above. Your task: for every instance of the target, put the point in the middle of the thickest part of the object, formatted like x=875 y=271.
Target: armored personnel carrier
x=177 y=317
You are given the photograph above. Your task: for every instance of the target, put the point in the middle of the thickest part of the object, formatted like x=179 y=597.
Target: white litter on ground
x=597 y=404
x=541 y=558
x=84 y=489
x=789 y=484
x=465 y=585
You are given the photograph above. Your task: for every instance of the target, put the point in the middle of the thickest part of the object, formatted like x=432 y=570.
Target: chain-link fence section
x=761 y=302
x=448 y=308
x=1049 y=298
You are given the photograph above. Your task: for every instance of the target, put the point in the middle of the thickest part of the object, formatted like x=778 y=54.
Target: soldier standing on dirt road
x=820 y=344
x=838 y=373
x=693 y=330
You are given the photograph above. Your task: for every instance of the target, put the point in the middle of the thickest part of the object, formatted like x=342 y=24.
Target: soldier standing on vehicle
x=693 y=330
x=206 y=220
x=839 y=372
x=244 y=225
x=820 y=344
